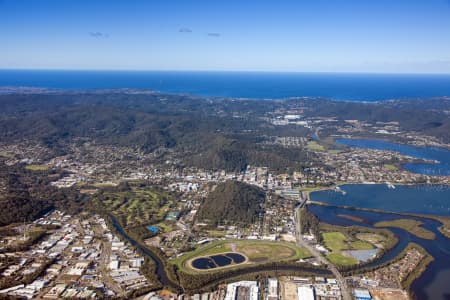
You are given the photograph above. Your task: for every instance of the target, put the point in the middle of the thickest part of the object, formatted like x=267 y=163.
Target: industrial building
x=272 y=289
x=305 y=293
x=242 y=290
x=361 y=294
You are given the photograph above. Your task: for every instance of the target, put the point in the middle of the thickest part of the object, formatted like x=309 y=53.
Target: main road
x=346 y=295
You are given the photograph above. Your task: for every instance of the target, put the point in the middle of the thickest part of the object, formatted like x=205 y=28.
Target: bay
x=440 y=156
x=418 y=199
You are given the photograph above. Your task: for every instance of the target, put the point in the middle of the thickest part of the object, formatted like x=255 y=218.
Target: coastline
x=352 y=87
x=444 y=220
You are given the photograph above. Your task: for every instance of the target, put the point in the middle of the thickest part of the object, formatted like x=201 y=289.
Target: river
x=421 y=199
x=433 y=283
x=166 y=281
x=160 y=271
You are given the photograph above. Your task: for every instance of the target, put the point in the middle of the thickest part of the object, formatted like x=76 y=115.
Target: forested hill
x=232 y=202
x=214 y=134
x=210 y=133
x=26 y=195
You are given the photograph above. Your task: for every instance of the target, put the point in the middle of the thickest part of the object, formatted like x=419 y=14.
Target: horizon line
x=226 y=71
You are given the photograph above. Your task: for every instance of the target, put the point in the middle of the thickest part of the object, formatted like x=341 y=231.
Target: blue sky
x=401 y=36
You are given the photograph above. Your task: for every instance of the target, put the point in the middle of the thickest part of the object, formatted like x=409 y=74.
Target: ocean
x=258 y=85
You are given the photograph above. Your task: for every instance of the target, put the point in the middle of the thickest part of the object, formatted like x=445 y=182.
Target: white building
x=272 y=289
x=305 y=293
x=249 y=287
x=136 y=262
x=114 y=265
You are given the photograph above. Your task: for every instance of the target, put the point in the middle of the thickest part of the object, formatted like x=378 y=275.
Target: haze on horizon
x=382 y=36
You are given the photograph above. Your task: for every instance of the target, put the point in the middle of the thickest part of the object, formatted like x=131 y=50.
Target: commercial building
x=242 y=290
x=361 y=294
x=272 y=289
x=305 y=293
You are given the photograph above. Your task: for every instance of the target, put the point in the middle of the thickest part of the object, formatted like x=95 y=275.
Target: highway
x=346 y=295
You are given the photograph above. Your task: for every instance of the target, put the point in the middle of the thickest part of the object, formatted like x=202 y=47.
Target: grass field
x=216 y=233
x=361 y=245
x=390 y=167
x=37 y=167
x=336 y=242
x=5 y=154
x=104 y=184
x=412 y=226
x=341 y=260
x=334 y=151
x=314 y=146
x=256 y=251
x=309 y=189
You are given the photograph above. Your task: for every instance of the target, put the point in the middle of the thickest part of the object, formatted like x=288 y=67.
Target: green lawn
x=341 y=260
x=216 y=233
x=313 y=188
x=256 y=251
x=335 y=241
x=7 y=154
x=37 y=167
x=334 y=151
x=390 y=167
x=361 y=245
x=208 y=249
x=313 y=145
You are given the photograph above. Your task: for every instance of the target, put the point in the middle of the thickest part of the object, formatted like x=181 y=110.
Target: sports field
x=337 y=242
x=256 y=251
